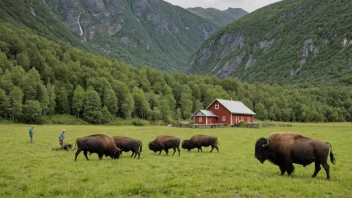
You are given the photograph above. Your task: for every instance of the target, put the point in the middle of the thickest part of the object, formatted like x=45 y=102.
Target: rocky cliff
x=139 y=32
x=290 y=41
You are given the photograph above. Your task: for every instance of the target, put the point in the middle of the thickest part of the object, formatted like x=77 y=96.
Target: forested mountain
x=139 y=32
x=292 y=41
x=218 y=17
x=40 y=78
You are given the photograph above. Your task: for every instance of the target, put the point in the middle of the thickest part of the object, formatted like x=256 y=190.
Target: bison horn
x=267 y=143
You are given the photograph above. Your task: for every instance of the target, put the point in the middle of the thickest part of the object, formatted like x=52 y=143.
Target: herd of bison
x=280 y=148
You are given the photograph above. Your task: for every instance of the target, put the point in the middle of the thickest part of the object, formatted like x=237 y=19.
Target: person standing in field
x=31 y=133
x=62 y=137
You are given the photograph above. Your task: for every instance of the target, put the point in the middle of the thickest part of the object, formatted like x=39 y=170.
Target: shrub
x=138 y=122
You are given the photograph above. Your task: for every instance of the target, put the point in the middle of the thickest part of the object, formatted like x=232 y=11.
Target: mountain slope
x=217 y=17
x=36 y=16
x=289 y=41
x=236 y=12
x=139 y=32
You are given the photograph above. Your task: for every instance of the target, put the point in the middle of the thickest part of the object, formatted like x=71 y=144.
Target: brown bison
x=283 y=149
x=165 y=142
x=100 y=144
x=129 y=144
x=197 y=141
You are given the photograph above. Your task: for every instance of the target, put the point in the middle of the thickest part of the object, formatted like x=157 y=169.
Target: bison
x=283 y=149
x=98 y=143
x=165 y=142
x=129 y=144
x=197 y=141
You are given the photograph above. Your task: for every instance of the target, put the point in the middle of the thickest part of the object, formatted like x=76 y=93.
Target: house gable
x=224 y=115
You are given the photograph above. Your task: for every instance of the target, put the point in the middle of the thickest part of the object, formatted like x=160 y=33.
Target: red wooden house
x=224 y=112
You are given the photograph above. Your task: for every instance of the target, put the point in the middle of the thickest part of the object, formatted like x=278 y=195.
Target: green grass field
x=34 y=170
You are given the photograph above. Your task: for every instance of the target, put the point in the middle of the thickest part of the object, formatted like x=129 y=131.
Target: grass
x=34 y=170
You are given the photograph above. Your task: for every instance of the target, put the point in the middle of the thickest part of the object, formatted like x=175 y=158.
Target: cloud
x=248 y=5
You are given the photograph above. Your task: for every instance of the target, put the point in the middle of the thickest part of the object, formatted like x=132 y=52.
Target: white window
x=217 y=106
x=242 y=118
x=248 y=119
x=200 y=119
x=224 y=118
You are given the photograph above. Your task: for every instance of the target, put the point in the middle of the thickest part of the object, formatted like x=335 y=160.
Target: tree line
x=40 y=78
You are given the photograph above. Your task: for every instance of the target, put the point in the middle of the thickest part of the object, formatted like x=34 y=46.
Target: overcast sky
x=248 y=5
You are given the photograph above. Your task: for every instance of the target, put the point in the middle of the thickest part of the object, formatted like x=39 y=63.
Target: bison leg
x=174 y=151
x=214 y=146
x=178 y=149
x=289 y=167
x=139 y=155
x=167 y=151
x=283 y=170
x=85 y=154
x=100 y=156
x=217 y=148
x=77 y=153
x=134 y=153
x=317 y=169
x=327 y=170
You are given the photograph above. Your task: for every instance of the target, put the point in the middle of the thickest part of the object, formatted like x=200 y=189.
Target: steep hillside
x=217 y=17
x=139 y=32
x=38 y=17
x=289 y=41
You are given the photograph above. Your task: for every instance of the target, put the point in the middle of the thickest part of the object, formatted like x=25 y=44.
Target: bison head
x=153 y=146
x=115 y=153
x=187 y=145
x=261 y=149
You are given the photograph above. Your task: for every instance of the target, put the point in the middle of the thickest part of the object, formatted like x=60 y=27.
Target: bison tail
x=217 y=142
x=332 y=157
x=75 y=146
x=140 y=148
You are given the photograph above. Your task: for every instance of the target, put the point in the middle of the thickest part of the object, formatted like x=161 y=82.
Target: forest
x=40 y=78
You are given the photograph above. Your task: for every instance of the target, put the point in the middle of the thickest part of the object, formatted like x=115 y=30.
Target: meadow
x=34 y=170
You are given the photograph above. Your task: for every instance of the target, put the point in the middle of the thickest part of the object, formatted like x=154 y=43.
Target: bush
x=242 y=124
x=138 y=122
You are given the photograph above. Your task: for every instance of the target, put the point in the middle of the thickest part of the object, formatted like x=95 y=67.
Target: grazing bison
x=100 y=144
x=197 y=141
x=283 y=149
x=129 y=144
x=165 y=142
